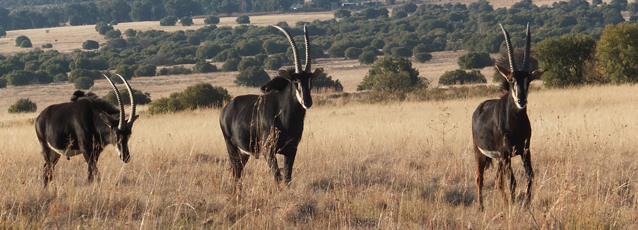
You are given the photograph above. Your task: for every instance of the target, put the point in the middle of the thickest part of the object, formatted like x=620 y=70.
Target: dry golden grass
x=395 y=165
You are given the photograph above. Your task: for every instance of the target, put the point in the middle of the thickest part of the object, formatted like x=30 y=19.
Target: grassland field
x=397 y=165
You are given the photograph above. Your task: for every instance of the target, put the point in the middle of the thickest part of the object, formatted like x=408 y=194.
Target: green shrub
x=475 y=60
x=186 y=21
x=168 y=21
x=422 y=57
x=78 y=73
x=3 y=83
x=247 y=62
x=90 y=45
x=342 y=13
x=243 y=19
x=202 y=95
x=140 y=98
x=19 y=77
x=145 y=70
x=401 y=52
x=461 y=77
x=353 y=53
x=324 y=81
x=130 y=32
x=47 y=46
x=26 y=44
x=22 y=38
x=390 y=64
x=377 y=43
x=273 y=63
x=204 y=67
x=102 y=28
x=367 y=57
x=113 y=34
x=60 y=77
x=83 y=83
x=178 y=70
x=230 y=65
x=211 y=20
x=127 y=71
x=253 y=76
x=23 y=105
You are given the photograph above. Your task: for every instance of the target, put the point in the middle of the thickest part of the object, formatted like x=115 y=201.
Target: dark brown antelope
x=84 y=126
x=501 y=128
x=271 y=123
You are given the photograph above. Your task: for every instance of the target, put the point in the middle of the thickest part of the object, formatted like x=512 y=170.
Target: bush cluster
x=23 y=105
x=202 y=95
x=461 y=77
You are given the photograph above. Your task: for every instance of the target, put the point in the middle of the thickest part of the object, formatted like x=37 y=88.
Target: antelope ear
x=505 y=72
x=285 y=74
x=536 y=74
x=109 y=120
x=317 y=72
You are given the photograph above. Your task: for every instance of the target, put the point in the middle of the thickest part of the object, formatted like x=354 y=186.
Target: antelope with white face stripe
x=84 y=126
x=501 y=128
x=271 y=123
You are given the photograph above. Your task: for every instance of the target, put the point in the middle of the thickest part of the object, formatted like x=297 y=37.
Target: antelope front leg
x=272 y=162
x=527 y=163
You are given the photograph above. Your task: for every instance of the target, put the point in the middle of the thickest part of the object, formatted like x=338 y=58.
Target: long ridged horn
x=307 y=39
x=130 y=94
x=527 y=52
x=510 y=50
x=119 y=103
x=295 y=51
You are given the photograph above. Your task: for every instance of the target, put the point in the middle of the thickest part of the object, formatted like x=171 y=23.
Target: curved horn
x=510 y=50
x=119 y=102
x=295 y=51
x=130 y=94
x=527 y=52
x=307 y=39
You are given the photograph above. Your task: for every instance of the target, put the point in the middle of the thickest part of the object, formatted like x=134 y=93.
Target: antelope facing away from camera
x=270 y=123
x=501 y=128
x=84 y=126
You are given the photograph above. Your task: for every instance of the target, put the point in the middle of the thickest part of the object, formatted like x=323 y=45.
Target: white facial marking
x=514 y=96
x=65 y=153
x=490 y=154
x=299 y=92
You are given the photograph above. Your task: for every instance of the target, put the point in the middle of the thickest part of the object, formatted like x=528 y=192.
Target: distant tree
x=353 y=53
x=23 y=105
x=2 y=32
x=60 y=77
x=615 y=51
x=214 y=20
x=47 y=46
x=408 y=7
x=113 y=34
x=130 y=32
x=116 y=43
x=401 y=52
x=243 y=19
x=273 y=63
x=230 y=65
x=90 y=45
x=145 y=70
x=342 y=13
x=102 y=28
x=377 y=43
x=475 y=60
x=323 y=81
x=186 y=21
x=26 y=44
x=422 y=57
x=140 y=98
x=204 y=67
x=19 y=77
x=21 y=39
x=3 y=83
x=389 y=64
x=461 y=77
x=127 y=71
x=168 y=21
x=208 y=50
x=566 y=59
x=367 y=57
x=248 y=62
x=253 y=76
x=83 y=83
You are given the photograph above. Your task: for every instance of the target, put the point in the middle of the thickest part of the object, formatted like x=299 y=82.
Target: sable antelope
x=84 y=126
x=270 y=123
x=501 y=128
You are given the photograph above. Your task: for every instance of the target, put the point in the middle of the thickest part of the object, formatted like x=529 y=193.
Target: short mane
x=277 y=83
x=504 y=86
x=97 y=101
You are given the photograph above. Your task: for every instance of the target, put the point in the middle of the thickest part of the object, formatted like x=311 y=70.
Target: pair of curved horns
x=510 y=50
x=295 y=51
x=121 y=126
